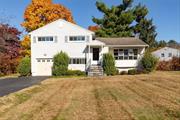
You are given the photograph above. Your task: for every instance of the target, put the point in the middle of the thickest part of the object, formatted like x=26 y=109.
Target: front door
x=95 y=55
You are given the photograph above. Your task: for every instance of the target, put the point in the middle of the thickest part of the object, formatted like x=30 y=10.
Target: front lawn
x=140 y=97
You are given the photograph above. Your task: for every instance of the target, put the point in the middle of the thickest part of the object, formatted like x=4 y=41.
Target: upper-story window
x=77 y=38
x=42 y=39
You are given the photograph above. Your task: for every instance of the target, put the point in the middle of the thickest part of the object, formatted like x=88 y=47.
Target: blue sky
x=165 y=13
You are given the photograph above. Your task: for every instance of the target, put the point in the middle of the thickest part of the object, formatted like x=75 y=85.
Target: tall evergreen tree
x=144 y=27
x=116 y=21
x=125 y=21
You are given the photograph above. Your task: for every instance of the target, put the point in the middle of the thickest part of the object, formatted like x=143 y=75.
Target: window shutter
x=66 y=39
x=55 y=39
x=34 y=39
x=87 y=38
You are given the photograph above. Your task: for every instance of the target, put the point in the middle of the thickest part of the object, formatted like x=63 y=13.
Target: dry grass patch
x=141 y=97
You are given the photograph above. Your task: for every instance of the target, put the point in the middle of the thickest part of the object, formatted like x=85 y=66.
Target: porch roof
x=96 y=43
x=127 y=41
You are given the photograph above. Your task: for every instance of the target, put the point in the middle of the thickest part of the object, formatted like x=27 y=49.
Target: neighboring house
x=84 y=51
x=166 y=53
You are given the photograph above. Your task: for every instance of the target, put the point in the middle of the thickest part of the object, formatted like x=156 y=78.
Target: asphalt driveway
x=10 y=85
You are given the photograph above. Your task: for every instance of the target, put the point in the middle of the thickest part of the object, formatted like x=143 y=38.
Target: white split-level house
x=81 y=46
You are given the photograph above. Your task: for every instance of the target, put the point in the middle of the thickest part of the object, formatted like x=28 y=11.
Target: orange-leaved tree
x=94 y=28
x=25 y=46
x=39 y=13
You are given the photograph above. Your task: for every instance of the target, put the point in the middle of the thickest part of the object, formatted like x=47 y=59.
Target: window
x=130 y=54
x=135 y=51
x=77 y=38
x=44 y=60
x=162 y=55
x=125 y=54
x=170 y=54
x=77 y=61
x=42 y=39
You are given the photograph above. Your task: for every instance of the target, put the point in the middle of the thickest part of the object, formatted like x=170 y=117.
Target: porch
x=94 y=58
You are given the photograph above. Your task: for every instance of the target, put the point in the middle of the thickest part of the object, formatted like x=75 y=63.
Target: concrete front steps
x=95 y=70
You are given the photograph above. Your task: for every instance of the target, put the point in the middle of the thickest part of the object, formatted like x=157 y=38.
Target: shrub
x=109 y=64
x=24 y=68
x=149 y=62
x=164 y=65
x=132 y=72
x=60 y=65
x=75 y=73
x=173 y=64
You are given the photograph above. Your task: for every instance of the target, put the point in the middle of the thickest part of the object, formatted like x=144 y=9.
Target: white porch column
x=101 y=54
x=89 y=50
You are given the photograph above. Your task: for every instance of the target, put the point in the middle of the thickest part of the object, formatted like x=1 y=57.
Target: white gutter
x=127 y=45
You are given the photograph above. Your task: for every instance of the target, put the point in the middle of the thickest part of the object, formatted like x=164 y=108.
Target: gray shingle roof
x=123 y=41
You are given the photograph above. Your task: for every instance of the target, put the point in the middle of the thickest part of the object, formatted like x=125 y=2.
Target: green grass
x=67 y=113
x=24 y=96
x=147 y=113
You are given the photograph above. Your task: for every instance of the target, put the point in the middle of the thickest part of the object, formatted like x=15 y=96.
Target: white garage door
x=44 y=67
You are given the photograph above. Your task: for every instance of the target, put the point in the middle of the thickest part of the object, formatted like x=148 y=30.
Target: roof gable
x=60 y=23
x=165 y=49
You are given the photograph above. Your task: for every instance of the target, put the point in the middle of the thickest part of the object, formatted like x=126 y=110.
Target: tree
x=173 y=43
x=26 y=46
x=116 y=20
x=9 y=49
x=144 y=27
x=162 y=43
x=94 y=28
x=124 y=20
x=42 y=12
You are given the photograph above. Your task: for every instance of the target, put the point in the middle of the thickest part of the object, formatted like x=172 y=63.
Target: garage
x=44 y=67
